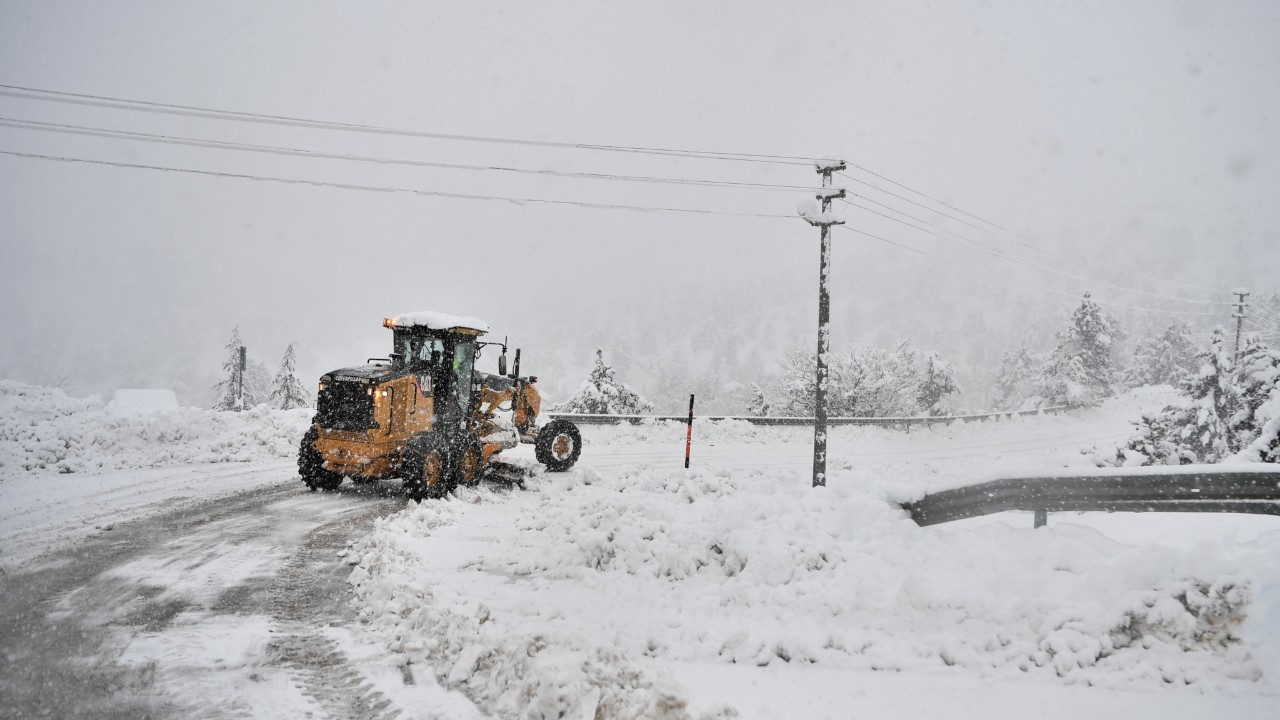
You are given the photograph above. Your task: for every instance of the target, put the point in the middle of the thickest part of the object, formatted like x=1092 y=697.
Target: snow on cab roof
x=436 y=321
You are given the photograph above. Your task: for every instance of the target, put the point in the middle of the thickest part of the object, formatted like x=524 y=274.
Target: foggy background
x=1140 y=135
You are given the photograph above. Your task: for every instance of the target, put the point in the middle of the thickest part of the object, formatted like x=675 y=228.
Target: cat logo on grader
x=426 y=416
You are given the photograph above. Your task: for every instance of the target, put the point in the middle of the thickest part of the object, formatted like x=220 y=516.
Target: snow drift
x=569 y=601
x=44 y=429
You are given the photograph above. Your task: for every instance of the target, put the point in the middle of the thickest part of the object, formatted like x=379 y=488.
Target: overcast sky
x=1141 y=134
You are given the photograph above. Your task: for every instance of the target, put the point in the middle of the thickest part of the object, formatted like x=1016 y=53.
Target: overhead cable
x=999 y=254
x=385 y=189
x=1010 y=235
x=1035 y=286
x=380 y=160
x=118 y=103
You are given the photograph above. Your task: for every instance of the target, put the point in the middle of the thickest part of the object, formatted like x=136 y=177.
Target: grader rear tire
x=429 y=468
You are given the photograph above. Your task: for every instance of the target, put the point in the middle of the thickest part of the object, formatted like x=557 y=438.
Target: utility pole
x=1239 y=315
x=240 y=379
x=824 y=221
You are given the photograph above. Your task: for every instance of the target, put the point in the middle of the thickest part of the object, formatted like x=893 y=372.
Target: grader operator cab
x=425 y=415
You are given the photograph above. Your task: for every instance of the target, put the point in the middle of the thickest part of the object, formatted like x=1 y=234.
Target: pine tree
x=1016 y=380
x=1215 y=401
x=1080 y=370
x=1256 y=425
x=1200 y=431
x=228 y=390
x=758 y=405
x=1163 y=360
x=939 y=381
x=601 y=394
x=257 y=383
x=287 y=392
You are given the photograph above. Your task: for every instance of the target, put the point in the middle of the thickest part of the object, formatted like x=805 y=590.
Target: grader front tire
x=558 y=446
x=311 y=465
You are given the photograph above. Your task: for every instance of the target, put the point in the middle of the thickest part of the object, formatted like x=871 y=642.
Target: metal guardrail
x=1201 y=488
x=584 y=419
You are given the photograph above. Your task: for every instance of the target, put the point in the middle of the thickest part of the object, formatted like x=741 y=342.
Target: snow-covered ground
x=632 y=587
x=72 y=466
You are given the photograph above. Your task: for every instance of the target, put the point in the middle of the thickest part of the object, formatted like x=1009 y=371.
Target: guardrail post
x=1042 y=518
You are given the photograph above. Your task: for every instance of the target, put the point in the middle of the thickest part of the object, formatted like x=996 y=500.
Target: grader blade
x=510 y=473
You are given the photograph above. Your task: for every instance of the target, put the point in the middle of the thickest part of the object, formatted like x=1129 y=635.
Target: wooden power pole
x=1239 y=315
x=824 y=221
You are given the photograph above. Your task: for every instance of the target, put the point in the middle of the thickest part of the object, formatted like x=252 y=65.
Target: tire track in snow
x=305 y=598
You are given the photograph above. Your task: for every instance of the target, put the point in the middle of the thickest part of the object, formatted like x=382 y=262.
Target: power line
x=381 y=160
x=1264 y=312
x=886 y=240
x=1041 y=288
x=1010 y=235
x=117 y=103
x=386 y=189
x=978 y=247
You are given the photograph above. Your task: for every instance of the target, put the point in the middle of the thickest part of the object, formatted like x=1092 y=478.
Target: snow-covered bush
x=601 y=394
x=868 y=383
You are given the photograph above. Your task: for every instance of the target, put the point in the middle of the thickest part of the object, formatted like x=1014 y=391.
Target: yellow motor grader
x=425 y=415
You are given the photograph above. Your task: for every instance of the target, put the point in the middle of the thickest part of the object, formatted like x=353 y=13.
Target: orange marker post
x=688 y=437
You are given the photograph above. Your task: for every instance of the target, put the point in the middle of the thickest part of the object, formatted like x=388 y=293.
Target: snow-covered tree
x=286 y=390
x=1163 y=360
x=228 y=389
x=1080 y=369
x=601 y=394
x=1229 y=410
x=758 y=405
x=1215 y=402
x=1016 y=381
x=939 y=381
x=861 y=383
x=257 y=383
x=1256 y=425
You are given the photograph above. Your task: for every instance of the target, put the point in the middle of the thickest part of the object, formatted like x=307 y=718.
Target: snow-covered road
x=233 y=603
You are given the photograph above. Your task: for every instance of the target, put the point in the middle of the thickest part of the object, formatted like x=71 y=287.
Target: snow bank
x=142 y=402
x=44 y=429
x=510 y=667
x=569 y=599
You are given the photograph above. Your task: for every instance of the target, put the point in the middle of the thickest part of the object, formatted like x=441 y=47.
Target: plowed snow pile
x=44 y=429
x=588 y=595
